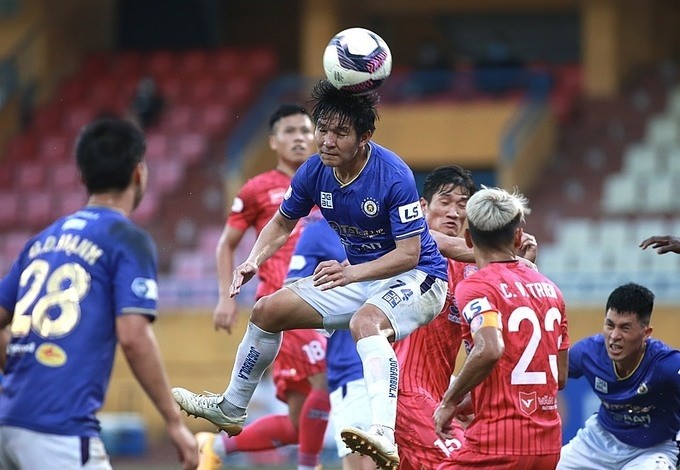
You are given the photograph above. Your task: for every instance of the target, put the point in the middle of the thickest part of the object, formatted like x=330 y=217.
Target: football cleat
x=207 y=458
x=373 y=444
x=207 y=407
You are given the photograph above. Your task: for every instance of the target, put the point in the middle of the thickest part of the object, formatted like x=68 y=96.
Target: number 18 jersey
x=65 y=291
x=516 y=405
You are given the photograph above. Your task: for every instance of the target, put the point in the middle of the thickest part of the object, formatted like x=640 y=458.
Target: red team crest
x=527 y=402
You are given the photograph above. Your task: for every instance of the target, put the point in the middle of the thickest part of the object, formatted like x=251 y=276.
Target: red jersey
x=516 y=405
x=254 y=206
x=427 y=357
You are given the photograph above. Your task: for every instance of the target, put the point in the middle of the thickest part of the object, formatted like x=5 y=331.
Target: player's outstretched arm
x=225 y=313
x=453 y=247
x=662 y=244
x=139 y=346
x=271 y=238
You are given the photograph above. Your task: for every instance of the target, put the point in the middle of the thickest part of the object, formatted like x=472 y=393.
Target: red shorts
x=419 y=446
x=302 y=354
x=468 y=459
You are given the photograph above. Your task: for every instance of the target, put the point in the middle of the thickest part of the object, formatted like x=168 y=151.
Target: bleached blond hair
x=491 y=209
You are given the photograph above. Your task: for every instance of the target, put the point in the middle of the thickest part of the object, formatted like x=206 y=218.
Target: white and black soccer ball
x=357 y=60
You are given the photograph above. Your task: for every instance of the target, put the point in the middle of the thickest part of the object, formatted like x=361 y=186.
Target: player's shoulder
x=266 y=180
x=659 y=349
x=386 y=157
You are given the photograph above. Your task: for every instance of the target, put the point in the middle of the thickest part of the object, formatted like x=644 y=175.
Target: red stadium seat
x=63 y=176
x=55 y=148
x=36 y=209
x=68 y=202
x=9 y=209
x=192 y=147
x=156 y=146
x=29 y=176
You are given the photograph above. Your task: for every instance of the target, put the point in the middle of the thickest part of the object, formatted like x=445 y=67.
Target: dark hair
x=445 y=178
x=358 y=110
x=285 y=110
x=107 y=152
x=632 y=298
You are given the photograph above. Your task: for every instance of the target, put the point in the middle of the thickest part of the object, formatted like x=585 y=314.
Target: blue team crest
x=643 y=388
x=370 y=207
x=601 y=385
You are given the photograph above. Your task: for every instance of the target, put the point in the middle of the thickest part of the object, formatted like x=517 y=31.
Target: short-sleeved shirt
x=640 y=410
x=376 y=209
x=254 y=206
x=65 y=291
x=516 y=405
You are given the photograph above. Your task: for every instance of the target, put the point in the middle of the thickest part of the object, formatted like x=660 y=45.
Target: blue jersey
x=641 y=410
x=65 y=290
x=379 y=207
x=343 y=363
x=318 y=242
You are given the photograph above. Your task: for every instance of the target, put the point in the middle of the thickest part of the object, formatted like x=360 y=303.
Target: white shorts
x=22 y=448
x=409 y=300
x=595 y=448
x=349 y=407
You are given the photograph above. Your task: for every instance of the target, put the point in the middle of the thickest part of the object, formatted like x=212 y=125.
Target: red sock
x=268 y=432
x=313 y=422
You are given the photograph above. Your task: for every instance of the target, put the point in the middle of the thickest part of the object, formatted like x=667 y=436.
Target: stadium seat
x=63 y=176
x=55 y=147
x=192 y=147
x=157 y=147
x=659 y=193
x=622 y=193
x=29 y=176
x=36 y=209
x=663 y=131
x=166 y=176
x=641 y=159
x=9 y=209
x=67 y=202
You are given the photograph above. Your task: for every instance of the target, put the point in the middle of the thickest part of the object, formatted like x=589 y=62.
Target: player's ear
x=468 y=238
x=423 y=205
x=519 y=233
x=272 y=142
x=365 y=137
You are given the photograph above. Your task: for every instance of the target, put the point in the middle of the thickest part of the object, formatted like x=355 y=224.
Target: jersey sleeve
x=135 y=288
x=670 y=367
x=9 y=287
x=245 y=208
x=475 y=302
x=406 y=215
x=298 y=200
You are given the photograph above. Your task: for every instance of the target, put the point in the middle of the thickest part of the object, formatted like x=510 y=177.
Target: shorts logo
x=391 y=298
x=370 y=207
x=326 y=200
x=601 y=385
x=410 y=212
x=50 y=355
x=527 y=402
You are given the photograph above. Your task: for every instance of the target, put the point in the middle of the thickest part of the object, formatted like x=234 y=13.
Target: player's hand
x=242 y=274
x=225 y=314
x=330 y=274
x=528 y=248
x=662 y=244
x=464 y=410
x=185 y=443
x=443 y=415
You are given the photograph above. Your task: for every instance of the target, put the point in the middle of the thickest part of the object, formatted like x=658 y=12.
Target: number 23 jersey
x=516 y=405
x=66 y=290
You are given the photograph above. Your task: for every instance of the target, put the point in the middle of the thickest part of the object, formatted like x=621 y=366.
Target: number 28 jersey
x=65 y=290
x=516 y=405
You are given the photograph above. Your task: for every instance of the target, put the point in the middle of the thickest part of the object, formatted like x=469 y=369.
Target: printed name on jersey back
x=533 y=289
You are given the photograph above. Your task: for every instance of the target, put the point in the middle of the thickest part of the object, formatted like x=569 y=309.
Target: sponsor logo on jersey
x=237 y=205
x=527 y=402
x=370 y=207
x=74 y=223
x=643 y=388
x=475 y=307
x=326 y=200
x=601 y=385
x=410 y=212
x=50 y=355
x=145 y=288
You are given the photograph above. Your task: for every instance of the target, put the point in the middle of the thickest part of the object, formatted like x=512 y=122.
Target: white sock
x=381 y=374
x=257 y=351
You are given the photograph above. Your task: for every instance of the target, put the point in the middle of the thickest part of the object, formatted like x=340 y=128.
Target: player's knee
x=264 y=316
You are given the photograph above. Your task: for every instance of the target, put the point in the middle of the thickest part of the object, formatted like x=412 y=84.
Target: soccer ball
x=357 y=60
